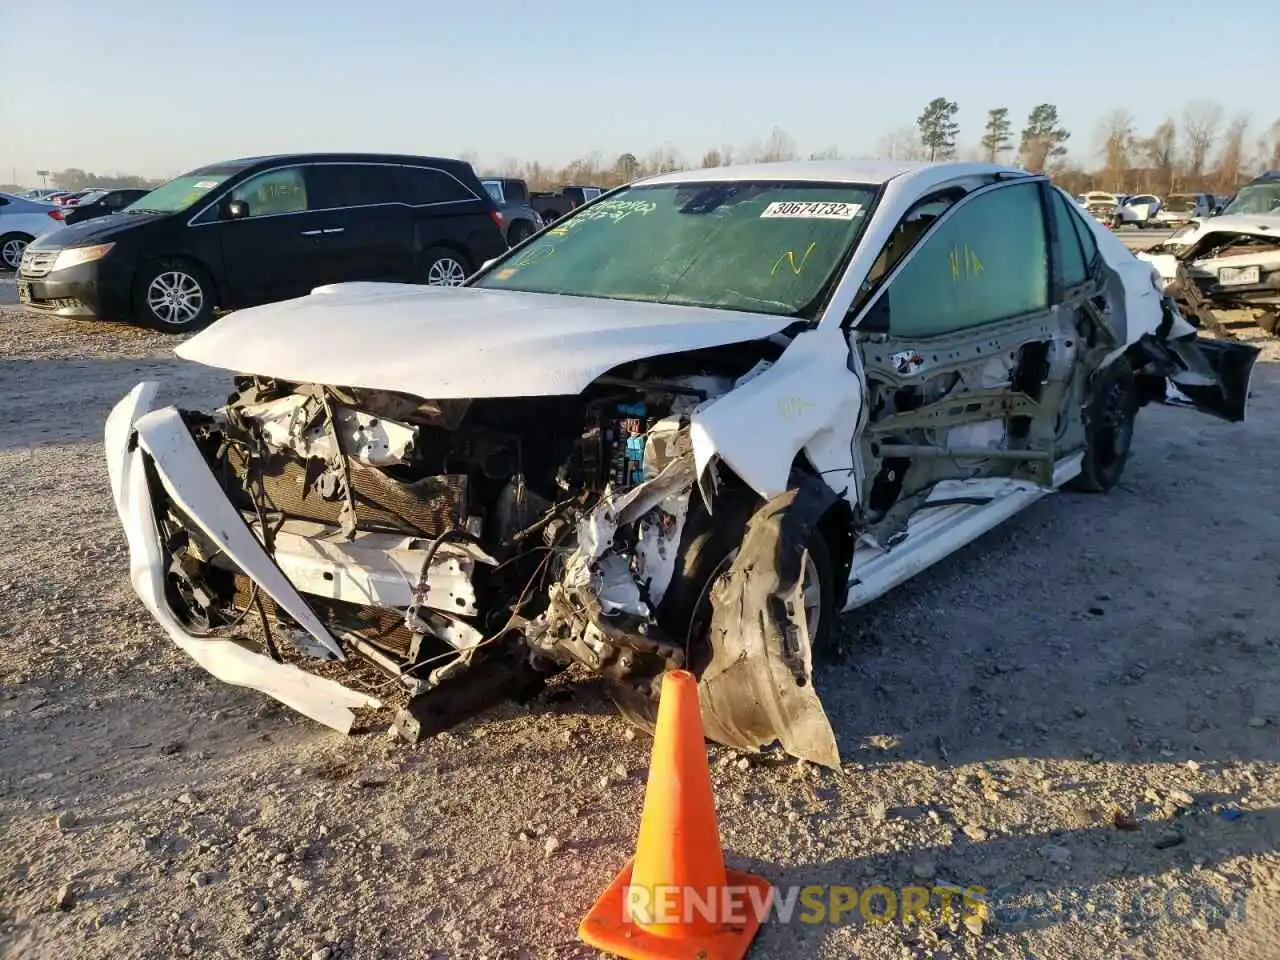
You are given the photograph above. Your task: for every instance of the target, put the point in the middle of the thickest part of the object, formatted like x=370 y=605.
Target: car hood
x=445 y=343
x=1256 y=225
x=86 y=232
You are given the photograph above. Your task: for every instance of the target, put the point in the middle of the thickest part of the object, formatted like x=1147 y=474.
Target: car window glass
x=1088 y=242
x=423 y=186
x=333 y=185
x=273 y=192
x=1074 y=267
x=986 y=262
x=904 y=237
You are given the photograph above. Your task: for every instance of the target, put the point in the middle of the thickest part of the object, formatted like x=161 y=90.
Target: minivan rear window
x=178 y=194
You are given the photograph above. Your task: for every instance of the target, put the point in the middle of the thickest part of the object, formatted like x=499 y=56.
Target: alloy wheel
x=175 y=298
x=11 y=252
x=446 y=272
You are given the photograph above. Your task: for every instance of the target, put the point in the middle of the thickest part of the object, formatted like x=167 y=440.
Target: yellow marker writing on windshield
x=790 y=258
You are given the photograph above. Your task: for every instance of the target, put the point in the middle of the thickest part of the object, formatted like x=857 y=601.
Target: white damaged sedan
x=686 y=426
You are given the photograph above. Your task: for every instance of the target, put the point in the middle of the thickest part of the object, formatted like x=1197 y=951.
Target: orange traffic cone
x=675 y=900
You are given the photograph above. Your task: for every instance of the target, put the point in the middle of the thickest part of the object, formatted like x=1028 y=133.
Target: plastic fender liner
x=758 y=686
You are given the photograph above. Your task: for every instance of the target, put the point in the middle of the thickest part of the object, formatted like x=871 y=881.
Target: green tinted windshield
x=178 y=194
x=1256 y=198
x=765 y=247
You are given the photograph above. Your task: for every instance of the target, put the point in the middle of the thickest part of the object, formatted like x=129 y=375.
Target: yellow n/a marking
x=790 y=258
x=965 y=263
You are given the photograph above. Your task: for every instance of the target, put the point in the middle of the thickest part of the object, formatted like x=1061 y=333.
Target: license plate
x=1237 y=276
x=24 y=291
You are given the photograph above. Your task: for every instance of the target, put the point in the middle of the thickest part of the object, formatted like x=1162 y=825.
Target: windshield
x=1256 y=198
x=178 y=194
x=765 y=247
x=93 y=196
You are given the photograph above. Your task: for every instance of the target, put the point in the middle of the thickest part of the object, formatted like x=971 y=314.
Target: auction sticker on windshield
x=810 y=210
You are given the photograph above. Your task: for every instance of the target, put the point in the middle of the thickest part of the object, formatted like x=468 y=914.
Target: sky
x=156 y=88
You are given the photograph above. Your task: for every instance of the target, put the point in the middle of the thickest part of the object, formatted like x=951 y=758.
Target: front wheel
x=173 y=296
x=444 y=267
x=708 y=550
x=1108 y=425
x=12 y=246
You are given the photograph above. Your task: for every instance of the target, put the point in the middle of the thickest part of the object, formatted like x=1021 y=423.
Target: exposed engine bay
x=465 y=548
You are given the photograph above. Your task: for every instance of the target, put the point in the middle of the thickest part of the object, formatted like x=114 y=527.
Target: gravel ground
x=1085 y=702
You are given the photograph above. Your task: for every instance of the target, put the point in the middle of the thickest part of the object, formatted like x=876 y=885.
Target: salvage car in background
x=1102 y=206
x=252 y=231
x=21 y=221
x=1227 y=262
x=1181 y=208
x=688 y=425
x=1137 y=211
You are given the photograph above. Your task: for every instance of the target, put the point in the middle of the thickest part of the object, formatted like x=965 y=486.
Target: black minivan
x=251 y=231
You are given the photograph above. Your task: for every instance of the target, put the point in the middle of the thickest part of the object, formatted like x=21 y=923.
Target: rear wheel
x=1108 y=420
x=444 y=267
x=520 y=231
x=173 y=296
x=12 y=246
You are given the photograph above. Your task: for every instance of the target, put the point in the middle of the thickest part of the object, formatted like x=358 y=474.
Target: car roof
x=271 y=160
x=836 y=171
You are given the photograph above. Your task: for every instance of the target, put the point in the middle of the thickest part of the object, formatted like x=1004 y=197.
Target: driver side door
x=967 y=347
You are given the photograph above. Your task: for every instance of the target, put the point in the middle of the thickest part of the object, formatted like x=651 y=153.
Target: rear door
x=448 y=213
x=273 y=252
x=366 y=233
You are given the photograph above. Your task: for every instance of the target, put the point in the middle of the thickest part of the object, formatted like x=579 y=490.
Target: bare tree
x=712 y=158
x=779 y=146
x=826 y=153
x=1160 y=153
x=1269 y=147
x=901 y=143
x=1115 y=141
x=1228 y=169
x=1200 y=123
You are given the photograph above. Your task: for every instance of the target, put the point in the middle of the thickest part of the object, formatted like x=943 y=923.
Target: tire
x=173 y=296
x=707 y=551
x=1109 y=421
x=443 y=267
x=11 y=247
x=520 y=231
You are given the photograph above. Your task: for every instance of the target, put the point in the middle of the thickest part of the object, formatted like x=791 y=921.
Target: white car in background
x=1138 y=211
x=685 y=426
x=21 y=221
x=1227 y=262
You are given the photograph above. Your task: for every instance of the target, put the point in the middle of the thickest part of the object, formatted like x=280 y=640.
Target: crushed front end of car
x=1223 y=263
x=367 y=555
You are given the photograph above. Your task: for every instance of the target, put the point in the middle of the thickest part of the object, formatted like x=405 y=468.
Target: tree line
x=1200 y=149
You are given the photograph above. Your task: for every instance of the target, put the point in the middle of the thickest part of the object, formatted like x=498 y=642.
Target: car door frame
x=880 y=354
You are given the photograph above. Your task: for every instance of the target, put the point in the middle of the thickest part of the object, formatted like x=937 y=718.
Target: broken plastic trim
x=758 y=687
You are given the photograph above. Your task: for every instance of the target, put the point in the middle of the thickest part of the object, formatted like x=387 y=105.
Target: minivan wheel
x=11 y=247
x=445 y=268
x=173 y=296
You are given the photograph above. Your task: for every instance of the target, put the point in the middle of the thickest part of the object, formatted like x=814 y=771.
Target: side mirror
x=237 y=210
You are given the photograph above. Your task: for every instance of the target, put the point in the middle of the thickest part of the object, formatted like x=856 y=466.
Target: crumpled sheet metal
x=758 y=686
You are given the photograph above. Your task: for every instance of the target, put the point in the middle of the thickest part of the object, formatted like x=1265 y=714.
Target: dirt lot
x=1081 y=708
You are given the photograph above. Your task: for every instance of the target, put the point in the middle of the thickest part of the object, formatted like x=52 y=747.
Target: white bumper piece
x=135 y=430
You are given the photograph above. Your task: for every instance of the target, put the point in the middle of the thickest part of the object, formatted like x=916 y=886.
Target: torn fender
x=758 y=686
x=808 y=399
